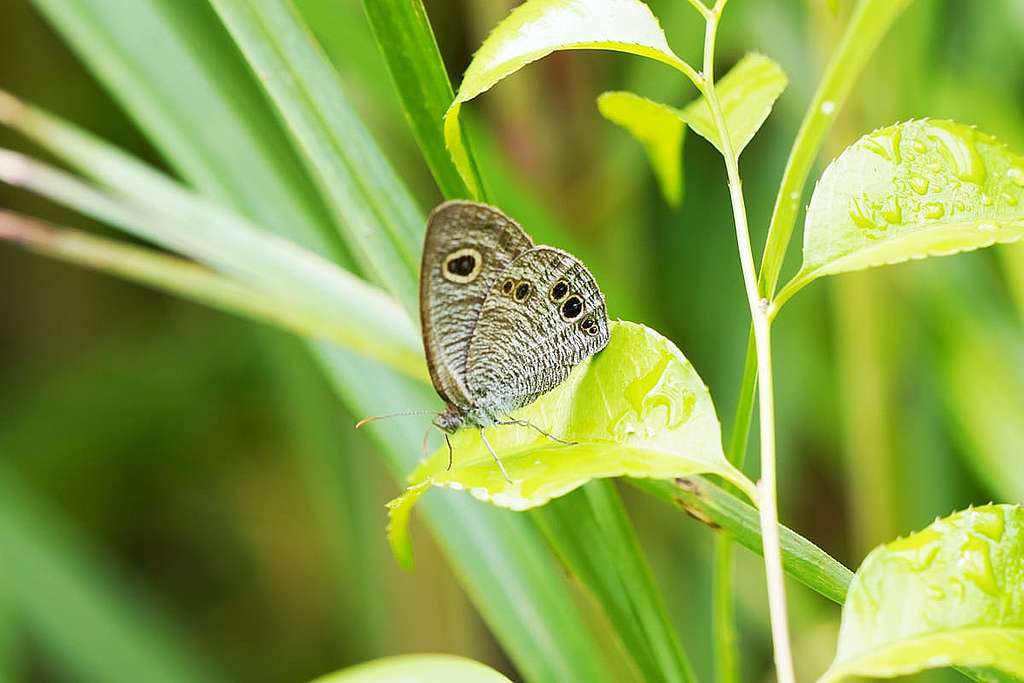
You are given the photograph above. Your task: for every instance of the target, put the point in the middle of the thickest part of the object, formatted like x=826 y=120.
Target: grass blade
x=361 y=316
x=712 y=505
x=381 y=225
x=75 y=605
x=168 y=273
x=407 y=42
x=176 y=72
x=593 y=536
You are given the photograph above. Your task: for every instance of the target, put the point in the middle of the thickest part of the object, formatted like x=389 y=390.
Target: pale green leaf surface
x=746 y=94
x=637 y=409
x=911 y=190
x=537 y=28
x=952 y=594
x=659 y=128
x=417 y=669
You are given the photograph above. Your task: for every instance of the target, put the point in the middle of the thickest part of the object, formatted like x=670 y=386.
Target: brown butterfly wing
x=466 y=248
x=543 y=316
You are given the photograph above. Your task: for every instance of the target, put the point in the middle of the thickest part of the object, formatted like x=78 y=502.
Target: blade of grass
x=380 y=223
x=403 y=33
x=168 y=273
x=348 y=516
x=720 y=510
x=592 y=535
x=77 y=605
x=362 y=317
x=176 y=72
x=8 y=629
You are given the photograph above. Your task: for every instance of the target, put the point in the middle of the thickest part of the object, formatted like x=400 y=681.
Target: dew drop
x=987 y=227
x=957 y=145
x=919 y=184
x=861 y=213
x=976 y=564
x=934 y=210
x=989 y=522
x=1016 y=175
x=828 y=107
x=892 y=211
x=885 y=143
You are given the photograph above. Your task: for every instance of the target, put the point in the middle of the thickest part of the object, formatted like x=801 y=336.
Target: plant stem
x=767 y=498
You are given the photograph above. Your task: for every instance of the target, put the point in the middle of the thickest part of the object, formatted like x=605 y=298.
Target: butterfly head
x=450 y=420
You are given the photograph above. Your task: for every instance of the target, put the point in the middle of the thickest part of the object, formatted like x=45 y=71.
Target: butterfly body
x=504 y=321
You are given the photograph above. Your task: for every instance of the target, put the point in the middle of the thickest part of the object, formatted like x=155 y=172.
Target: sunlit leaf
x=746 y=94
x=636 y=409
x=659 y=128
x=915 y=189
x=952 y=594
x=417 y=669
x=537 y=28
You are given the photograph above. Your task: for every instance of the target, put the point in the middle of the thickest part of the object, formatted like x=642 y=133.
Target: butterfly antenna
x=374 y=418
x=495 y=456
x=451 y=453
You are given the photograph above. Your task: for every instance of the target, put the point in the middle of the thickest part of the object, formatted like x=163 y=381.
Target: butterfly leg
x=525 y=423
x=494 y=455
x=451 y=454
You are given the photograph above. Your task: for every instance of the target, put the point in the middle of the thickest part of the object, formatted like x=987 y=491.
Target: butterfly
x=503 y=320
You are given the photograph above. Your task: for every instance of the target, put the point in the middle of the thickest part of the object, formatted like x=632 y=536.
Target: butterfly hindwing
x=542 y=316
x=467 y=246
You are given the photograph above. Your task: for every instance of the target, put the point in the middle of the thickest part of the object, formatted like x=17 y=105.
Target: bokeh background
x=194 y=471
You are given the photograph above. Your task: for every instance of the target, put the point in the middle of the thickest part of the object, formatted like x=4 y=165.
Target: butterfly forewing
x=467 y=247
x=542 y=316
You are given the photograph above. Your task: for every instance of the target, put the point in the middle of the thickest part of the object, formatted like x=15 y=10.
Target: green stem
x=870 y=21
x=767 y=497
x=723 y=623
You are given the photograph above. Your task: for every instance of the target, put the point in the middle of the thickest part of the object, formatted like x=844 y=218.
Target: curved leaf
x=417 y=669
x=659 y=128
x=915 y=189
x=537 y=28
x=636 y=409
x=952 y=594
x=747 y=94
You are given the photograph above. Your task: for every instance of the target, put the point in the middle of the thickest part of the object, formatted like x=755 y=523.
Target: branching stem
x=759 y=312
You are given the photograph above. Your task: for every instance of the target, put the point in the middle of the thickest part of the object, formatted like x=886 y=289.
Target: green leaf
x=915 y=189
x=659 y=128
x=747 y=94
x=407 y=42
x=636 y=409
x=417 y=669
x=537 y=28
x=952 y=594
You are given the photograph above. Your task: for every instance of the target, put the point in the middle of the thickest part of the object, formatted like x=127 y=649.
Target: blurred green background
x=196 y=471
